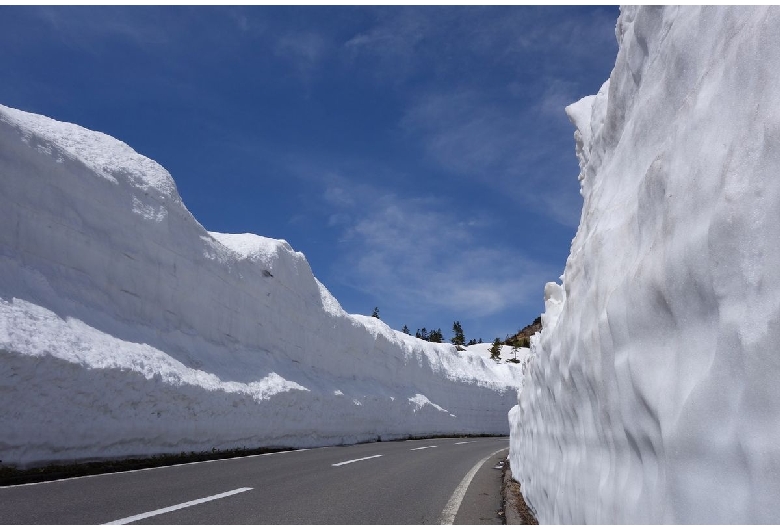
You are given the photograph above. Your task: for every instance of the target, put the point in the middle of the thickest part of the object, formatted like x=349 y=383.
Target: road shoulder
x=482 y=503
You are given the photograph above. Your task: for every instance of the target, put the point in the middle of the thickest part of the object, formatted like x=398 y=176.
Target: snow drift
x=128 y=329
x=653 y=396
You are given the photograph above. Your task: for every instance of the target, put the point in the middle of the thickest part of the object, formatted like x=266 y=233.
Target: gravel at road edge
x=516 y=511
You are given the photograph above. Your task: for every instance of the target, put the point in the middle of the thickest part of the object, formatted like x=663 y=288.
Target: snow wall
x=653 y=394
x=128 y=329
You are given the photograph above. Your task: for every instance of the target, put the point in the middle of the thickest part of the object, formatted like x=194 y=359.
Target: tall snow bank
x=653 y=396
x=128 y=329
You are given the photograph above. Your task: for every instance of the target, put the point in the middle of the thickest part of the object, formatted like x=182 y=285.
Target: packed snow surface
x=652 y=394
x=128 y=329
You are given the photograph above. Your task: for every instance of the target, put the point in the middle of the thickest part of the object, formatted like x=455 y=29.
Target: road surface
x=434 y=481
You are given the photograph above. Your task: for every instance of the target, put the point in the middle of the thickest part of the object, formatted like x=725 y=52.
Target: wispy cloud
x=303 y=51
x=393 y=45
x=465 y=133
x=80 y=26
x=190 y=35
x=557 y=95
x=419 y=254
x=485 y=119
x=510 y=152
x=337 y=195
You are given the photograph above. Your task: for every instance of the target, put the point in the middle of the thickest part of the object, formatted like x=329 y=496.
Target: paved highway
x=443 y=480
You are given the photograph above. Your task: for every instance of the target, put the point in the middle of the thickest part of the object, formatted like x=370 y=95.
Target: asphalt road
x=408 y=482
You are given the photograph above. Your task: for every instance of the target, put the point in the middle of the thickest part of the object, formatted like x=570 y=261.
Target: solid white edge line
x=356 y=460
x=144 y=515
x=453 y=505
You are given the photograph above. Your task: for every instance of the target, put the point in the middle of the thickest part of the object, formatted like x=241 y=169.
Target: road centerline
x=355 y=460
x=423 y=447
x=187 y=504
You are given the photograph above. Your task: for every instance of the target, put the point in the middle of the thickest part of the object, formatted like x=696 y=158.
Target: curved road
x=407 y=482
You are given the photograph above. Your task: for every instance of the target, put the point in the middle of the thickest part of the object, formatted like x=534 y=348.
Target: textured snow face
x=106 y=156
x=128 y=329
x=653 y=396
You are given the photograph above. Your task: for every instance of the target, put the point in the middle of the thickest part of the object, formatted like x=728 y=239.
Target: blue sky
x=419 y=157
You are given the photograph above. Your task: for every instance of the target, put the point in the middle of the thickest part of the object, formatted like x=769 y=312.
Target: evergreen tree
x=495 y=350
x=375 y=314
x=406 y=330
x=436 y=336
x=459 y=339
x=515 y=347
x=424 y=334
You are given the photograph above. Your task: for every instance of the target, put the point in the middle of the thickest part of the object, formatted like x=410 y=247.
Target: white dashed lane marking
x=424 y=447
x=355 y=460
x=144 y=515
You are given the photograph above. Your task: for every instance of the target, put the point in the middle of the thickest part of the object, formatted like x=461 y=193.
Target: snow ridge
x=103 y=154
x=652 y=393
x=128 y=329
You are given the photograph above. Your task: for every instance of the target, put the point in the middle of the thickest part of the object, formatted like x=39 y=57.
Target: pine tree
x=515 y=347
x=495 y=350
x=375 y=314
x=459 y=339
x=406 y=330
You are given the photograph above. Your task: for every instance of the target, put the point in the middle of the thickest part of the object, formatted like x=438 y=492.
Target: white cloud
x=241 y=20
x=465 y=133
x=337 y=219
x=338 y=196
x=393 y=46
x=80 y=26
x=491 y=111
x=557 y=95
x=304 y=50
x=512 y=149
x=421 y=254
